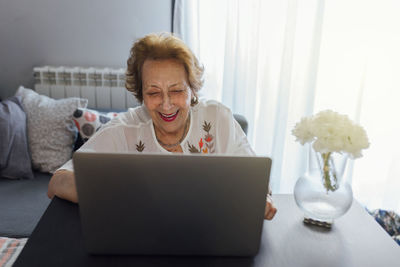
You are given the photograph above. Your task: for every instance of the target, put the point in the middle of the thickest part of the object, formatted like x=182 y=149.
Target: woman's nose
x=166 y=102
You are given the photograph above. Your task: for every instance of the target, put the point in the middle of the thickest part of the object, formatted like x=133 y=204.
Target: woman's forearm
x=62 y=185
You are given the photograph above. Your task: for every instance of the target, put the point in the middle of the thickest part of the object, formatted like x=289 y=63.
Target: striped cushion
x=10 y=249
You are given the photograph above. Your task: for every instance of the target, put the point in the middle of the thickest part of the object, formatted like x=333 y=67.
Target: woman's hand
x=270 y=209
x=62 y=185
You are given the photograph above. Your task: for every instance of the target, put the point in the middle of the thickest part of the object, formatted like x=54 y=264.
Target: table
x=354 y=240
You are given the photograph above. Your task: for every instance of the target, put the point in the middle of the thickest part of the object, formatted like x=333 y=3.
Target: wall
x=72 y=33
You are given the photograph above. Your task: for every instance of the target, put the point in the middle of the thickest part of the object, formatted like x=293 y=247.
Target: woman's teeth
x=169 y=115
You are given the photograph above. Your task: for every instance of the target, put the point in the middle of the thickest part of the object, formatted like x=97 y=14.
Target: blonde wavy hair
x=158 y=47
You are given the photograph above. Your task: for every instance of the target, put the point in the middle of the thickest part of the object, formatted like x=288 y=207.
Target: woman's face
x=166 y=94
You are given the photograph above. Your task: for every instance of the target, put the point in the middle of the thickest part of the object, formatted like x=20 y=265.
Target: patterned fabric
x=206 y=143
x=90 y=121
x=390 y=221
x=51 y=131
x=10 y=249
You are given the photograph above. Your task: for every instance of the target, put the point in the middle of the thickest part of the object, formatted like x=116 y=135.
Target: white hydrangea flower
x=330 y=131
x=303 y=131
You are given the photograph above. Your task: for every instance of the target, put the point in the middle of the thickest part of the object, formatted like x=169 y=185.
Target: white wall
x=72 y=33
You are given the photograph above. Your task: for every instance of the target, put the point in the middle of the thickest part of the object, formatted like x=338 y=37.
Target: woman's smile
x=169 y=117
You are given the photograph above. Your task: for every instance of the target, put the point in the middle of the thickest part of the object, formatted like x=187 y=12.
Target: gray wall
x=72 y=33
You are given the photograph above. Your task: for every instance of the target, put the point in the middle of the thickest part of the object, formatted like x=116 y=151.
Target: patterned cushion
x=89 y=121
x=51 y=131
x=390 y=221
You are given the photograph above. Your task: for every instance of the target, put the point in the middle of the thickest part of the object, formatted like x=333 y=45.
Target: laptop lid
x=159 y=204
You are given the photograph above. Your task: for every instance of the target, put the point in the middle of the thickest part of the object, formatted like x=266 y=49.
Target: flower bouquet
x=330 y=132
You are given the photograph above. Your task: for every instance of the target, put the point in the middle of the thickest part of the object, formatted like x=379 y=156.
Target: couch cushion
x=51 y=131
x=89 y=121
x=22 y=203
x=15 y=160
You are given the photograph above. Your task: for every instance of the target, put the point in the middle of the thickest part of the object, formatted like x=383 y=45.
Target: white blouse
x=213 y=130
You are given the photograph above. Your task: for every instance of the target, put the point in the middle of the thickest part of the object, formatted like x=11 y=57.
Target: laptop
x=162 y=204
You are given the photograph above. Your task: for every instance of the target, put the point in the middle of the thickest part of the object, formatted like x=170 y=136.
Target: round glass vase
x=322 y=193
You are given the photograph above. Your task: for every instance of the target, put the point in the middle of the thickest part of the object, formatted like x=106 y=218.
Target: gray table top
x=354 y=240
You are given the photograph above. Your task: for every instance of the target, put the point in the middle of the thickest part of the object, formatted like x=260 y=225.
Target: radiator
x=103 y=88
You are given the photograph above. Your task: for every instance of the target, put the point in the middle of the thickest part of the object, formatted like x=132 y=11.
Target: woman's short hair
x=158 y=47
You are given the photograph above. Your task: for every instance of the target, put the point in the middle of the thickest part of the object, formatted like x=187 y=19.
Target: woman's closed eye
x=153 y=93
x=176 y=91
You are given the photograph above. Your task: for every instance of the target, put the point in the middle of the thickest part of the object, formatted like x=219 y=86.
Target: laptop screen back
x=171 y=204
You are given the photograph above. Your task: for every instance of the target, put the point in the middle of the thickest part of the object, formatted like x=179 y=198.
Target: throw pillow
x=89 y=121
x=15 y=161
x=51 y=131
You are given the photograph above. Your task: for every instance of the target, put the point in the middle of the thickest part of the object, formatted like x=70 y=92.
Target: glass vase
x=322 y=193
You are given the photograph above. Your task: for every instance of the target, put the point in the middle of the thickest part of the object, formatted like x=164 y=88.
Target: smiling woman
x=165 y=77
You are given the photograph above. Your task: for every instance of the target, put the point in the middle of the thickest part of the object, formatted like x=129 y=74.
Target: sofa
x=47 y=131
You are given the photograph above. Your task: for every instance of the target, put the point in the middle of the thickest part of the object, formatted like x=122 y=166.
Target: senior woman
x=165 y=77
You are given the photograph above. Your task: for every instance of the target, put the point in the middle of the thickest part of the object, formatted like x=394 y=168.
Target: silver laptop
x=156 y=204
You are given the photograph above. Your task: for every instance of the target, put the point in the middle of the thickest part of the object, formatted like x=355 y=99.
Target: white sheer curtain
x=276 y=61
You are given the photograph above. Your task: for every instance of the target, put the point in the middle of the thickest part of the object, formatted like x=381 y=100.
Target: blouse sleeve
x=110 y=139
x=231 y=136
x=240 y=145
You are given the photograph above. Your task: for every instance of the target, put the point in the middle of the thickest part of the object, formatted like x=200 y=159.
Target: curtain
x=277 y=61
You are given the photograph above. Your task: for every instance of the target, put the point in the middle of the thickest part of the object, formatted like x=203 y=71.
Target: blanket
x=10 y=249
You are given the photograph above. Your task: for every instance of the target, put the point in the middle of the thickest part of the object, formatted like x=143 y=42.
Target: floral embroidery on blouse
x=206 y=144
x=140 y=147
